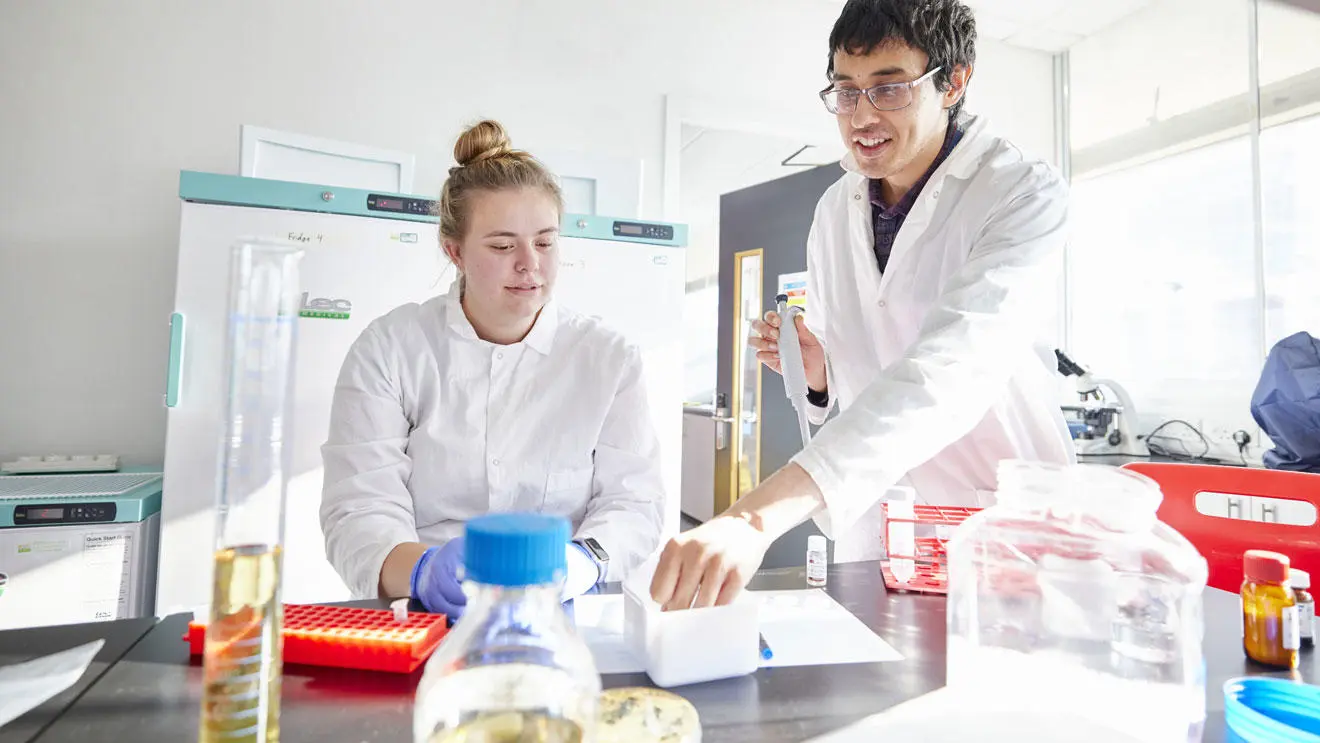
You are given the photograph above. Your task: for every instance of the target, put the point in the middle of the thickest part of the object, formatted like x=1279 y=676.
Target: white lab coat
x=939 y=368
x=432 y=426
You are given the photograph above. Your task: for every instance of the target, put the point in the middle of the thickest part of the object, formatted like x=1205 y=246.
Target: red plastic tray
x=931 y=561
x=346 y=637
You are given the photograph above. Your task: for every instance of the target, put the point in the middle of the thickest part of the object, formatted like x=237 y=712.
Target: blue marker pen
x=766 y=653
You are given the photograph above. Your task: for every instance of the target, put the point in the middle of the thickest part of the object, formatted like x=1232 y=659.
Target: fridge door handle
x=174 y=371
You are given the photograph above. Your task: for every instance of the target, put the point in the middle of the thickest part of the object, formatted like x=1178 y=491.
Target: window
x=1163 y=284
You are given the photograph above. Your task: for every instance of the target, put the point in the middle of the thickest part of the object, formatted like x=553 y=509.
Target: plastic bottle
x=817 y=561
x=512 y=668
x=1270 y=631
x=1300 y=581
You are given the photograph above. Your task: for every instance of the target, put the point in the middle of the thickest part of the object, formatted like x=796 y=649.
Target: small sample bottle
x=817 y=561
x=1300 y=581
x=1270 y=631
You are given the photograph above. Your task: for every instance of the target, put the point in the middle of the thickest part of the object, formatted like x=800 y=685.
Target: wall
x=105 y=101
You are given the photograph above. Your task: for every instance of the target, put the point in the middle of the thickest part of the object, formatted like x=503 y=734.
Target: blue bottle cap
x=515 y=549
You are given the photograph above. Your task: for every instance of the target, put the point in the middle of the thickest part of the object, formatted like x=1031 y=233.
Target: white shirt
x=940 y=367
x=432 y=426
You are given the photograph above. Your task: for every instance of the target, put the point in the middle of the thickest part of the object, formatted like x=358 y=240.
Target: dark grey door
x=763 y=235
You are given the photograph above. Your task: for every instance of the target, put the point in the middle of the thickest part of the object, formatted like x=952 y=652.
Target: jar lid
x=1265 y=566
x=644 y=715
x=515 y=549
x=1299 y=578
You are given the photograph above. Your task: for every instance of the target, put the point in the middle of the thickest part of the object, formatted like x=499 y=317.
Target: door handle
x=174 y=369
x=721 y=418
x=1234 y=504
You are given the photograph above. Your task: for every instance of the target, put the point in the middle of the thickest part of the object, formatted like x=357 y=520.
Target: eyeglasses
x=886 y=97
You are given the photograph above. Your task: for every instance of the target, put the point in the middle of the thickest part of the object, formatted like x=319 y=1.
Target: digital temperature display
x=400 y=205
x=644 y=230
x=59 y=513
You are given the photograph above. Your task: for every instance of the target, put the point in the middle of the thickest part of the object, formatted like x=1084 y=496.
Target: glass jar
x=1270 y=632
x=1068 y=595
x=512 y=668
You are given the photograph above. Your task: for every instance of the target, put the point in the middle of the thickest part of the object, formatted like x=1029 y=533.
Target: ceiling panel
x=1086 y=17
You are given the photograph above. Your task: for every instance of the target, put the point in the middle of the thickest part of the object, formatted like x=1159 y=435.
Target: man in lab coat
x=932 y=275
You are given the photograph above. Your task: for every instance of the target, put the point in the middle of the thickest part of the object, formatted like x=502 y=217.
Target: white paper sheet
x=801 y=627
x=808 y=628
x=23 y=686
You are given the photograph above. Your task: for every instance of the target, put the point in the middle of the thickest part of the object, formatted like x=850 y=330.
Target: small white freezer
x=78 y=547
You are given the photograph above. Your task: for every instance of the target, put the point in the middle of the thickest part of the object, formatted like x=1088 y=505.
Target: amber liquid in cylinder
x=242 y=659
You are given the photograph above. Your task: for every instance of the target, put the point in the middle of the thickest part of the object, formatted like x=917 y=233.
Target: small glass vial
x=817 y=561
x=1300 y=581
x=1270 y=631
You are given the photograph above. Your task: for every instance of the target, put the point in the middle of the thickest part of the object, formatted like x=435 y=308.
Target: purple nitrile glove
x=436 y=579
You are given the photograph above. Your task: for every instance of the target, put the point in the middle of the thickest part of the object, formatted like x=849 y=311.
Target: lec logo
x=323 y=308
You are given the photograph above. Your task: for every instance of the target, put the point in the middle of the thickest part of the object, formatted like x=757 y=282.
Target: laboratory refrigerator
x=78 y=547
x=365 y=253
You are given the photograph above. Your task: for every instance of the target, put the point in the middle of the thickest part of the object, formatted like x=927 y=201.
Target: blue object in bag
x=1286 y=404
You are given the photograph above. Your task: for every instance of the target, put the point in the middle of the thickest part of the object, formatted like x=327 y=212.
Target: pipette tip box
x=349 y=637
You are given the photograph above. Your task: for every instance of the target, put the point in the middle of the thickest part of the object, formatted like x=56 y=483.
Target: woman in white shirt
x=490 y=398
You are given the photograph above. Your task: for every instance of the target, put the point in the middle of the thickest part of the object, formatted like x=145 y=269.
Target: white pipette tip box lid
x=692 y=646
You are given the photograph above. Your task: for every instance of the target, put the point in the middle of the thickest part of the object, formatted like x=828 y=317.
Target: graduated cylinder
x=243 y=653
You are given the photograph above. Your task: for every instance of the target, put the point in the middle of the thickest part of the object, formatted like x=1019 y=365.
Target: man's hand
x=709 y=565
x=765 y=339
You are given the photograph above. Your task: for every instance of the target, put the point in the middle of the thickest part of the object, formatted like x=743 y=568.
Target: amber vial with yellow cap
x=1270 y=630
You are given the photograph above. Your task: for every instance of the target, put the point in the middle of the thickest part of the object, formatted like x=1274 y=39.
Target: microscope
x=1102 y=423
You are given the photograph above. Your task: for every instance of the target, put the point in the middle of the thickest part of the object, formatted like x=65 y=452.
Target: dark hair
x=944 y=29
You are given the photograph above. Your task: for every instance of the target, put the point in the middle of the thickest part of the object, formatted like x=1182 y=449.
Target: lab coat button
x=857 y=197
x=882 y=303
x=495 y=462
x=499 y=355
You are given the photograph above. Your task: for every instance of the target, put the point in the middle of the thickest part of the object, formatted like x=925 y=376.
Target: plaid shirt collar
x=904 y=205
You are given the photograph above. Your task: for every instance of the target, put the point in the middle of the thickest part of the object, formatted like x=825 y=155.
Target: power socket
x=1232 y=444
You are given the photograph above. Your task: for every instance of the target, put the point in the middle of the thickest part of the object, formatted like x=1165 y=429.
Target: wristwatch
x=597 y=553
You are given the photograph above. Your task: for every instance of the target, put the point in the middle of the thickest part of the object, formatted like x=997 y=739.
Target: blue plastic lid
x=515 y=549
x=1272 y=710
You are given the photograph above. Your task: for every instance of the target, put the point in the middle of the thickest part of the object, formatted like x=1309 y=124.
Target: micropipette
x=790 y=363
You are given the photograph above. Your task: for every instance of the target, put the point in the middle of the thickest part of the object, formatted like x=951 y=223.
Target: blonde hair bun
x=487 y=162
x=482 y=141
